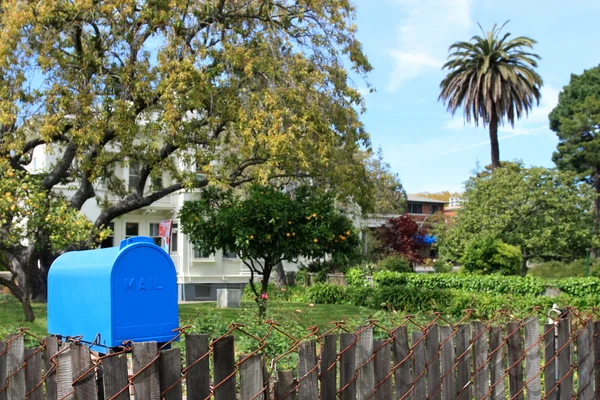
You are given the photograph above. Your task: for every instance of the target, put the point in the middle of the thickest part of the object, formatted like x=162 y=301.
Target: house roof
x=422 y=199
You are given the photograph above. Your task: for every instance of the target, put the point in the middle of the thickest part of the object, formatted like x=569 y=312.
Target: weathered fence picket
x=169 y=366
x=432 y=363
x=328 y=368
x=515 y=361
x=347 y=366
x=402 y=374
x=33 y=373
x=465 y=361
x=383 y=368
x=418 y=349
x=533 y=381
x=145 y=367
x=565 y=373
x=498 y=386
x=463 y=357
x=448 y=359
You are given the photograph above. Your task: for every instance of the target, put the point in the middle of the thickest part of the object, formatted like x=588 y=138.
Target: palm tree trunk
x=494 y=141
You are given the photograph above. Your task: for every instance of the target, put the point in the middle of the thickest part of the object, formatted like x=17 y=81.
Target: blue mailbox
x=119 y=293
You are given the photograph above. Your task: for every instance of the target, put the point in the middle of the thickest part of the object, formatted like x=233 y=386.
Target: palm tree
x=492 y=78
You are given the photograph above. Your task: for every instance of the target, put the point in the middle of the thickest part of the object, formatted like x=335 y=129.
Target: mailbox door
x=144 y=295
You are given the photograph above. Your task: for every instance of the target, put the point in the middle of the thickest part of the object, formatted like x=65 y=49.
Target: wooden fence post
x=532 y=359
x=328 y=368
x=50 y=367
x=307 y=371
x=383 y=369
x=146 y=385
x=364 y=363
x=347 y=366
x=448 y=359
x=224 y=368
x=198 y=372
x=85 y=388
x=565 y=358
x=497 y=364
x=463 y=356
x=15 y=356
x=480 y=354
x=64 y=374
x=114 y=369
x=585 y=359
x=33 y=374
x=169 y=369
x=432 y=362
x=550 y=362
x=418 y=359
x=251 y=377
x=515 y=351
x=402 y=374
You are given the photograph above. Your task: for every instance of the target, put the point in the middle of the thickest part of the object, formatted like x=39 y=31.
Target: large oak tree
x=576 y=121
x=246 y=90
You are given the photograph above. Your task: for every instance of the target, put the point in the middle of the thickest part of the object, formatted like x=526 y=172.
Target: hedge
x=497 y=284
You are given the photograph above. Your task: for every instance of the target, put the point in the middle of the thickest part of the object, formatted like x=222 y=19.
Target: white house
x=198 y=275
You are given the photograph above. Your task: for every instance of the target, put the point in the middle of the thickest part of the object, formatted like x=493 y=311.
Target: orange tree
x=265 y=226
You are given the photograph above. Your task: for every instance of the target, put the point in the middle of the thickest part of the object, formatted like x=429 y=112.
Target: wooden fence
x=520 y=359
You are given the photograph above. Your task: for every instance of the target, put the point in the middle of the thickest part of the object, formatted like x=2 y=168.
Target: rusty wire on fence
x=443 y=378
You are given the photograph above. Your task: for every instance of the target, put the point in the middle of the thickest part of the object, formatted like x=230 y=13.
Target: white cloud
x=425 y=31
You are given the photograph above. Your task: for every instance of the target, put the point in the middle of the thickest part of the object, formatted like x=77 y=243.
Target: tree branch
x=62 y=168
x=134 y=202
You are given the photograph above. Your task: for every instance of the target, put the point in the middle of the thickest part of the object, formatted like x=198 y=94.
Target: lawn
x=11 y=314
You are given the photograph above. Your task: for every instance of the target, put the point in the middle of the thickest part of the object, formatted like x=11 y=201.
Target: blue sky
x=407 y=42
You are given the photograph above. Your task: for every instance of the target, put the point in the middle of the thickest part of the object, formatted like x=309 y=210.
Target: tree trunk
x=524 y=268
x=22 y=296
x=494 y=141
x=594 y=252
x=280 y=278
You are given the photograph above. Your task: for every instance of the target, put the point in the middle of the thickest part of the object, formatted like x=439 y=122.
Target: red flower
x=264 y=296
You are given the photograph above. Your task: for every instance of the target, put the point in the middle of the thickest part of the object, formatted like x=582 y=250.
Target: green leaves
x=267 y=225
x=542 y=211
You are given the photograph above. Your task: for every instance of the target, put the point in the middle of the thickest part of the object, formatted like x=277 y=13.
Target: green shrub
x=579 y=287
x=356 y=277
x=496 y=284
x=326 y=293
x=442 y=266
x=361 y=296
x=396 y=263
x=486 y=255
x=411 y=299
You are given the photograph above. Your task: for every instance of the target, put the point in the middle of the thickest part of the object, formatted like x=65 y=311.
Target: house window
x=202 y=291
x=134 y=174
x=415 y=208
x=153 y=233
x=157 y=183
x=131 y=229
x=198 y=254
x=174 y=235
x=433 y=208
x=109 y=241
x=200 y=176
x=228 y=253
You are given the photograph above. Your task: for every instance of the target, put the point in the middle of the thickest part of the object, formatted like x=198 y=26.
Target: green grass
x=11 y=314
